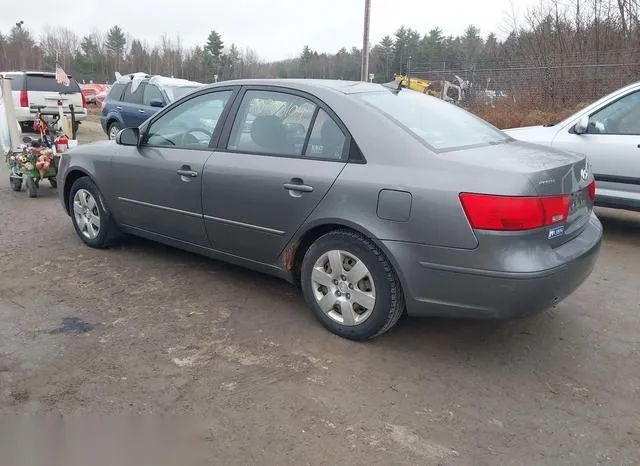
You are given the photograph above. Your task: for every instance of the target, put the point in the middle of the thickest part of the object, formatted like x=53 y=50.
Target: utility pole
x=364 y=67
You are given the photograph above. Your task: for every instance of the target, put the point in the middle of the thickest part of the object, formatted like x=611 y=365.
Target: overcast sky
x=276 y=29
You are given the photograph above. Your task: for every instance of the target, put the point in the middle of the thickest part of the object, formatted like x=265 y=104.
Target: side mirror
x=156 y=103
x=128 y=137
x=582 y=126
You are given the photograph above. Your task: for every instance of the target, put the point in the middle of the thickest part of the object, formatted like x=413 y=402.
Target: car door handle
x=119 y=107
x=187 y=173
x=141 y=111
x=303 y=188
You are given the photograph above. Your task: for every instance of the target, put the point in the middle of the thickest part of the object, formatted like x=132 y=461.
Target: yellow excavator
x=416 y=84
x=439 y=89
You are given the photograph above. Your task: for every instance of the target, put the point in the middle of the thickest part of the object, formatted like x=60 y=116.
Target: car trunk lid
x=552 y=173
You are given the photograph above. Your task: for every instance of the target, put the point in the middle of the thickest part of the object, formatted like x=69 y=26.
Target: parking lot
x=142 y=328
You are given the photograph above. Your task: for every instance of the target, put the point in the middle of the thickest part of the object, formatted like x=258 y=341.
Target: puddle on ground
x=73 y=325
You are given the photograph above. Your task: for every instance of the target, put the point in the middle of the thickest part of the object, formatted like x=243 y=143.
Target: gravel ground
x=142 y=328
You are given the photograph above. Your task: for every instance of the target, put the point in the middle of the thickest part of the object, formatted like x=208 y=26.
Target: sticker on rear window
x=555 y=232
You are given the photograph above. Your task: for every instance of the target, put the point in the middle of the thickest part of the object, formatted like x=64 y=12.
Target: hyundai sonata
x=375 y=200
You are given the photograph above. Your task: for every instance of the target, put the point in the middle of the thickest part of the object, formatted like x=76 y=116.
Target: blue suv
x=133 y=98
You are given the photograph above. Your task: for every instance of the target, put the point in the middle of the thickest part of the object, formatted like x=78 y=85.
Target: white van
x=32 y=89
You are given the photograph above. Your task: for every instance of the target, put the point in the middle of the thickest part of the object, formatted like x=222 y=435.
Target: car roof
x=337 y=85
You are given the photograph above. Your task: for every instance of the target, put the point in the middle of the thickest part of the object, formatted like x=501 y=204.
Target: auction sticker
x=555 y=232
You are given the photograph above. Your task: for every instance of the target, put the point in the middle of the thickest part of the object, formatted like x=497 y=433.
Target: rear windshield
x=440 y=125
x=49 y=84
x=17 y=81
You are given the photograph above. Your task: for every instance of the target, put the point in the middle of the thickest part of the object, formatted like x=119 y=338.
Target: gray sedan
x=376 y=201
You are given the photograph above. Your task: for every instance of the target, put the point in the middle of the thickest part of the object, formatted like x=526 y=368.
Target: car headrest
x=268 y=132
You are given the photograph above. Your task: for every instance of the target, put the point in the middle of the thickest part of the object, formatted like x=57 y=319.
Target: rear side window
x=327 y=139
x=271 y=122
x=440 y=125
x=17 y=81
x=134 y=97
x=116 y=91
x=46 y=83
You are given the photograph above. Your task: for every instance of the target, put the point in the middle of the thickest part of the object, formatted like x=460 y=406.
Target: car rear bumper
x=449 y=290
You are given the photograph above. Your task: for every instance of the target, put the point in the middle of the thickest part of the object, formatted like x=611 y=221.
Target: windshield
x=440 y=125
x=178 y=92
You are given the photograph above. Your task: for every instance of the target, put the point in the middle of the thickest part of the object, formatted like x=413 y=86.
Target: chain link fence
x=549 y=86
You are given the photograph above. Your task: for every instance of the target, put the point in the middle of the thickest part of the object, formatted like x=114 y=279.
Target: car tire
x=16 y=184
x=113 y=130
x=380 y=290
x=91 y=220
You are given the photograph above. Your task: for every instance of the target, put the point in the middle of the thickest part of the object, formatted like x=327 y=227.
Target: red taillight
x=592 y=190
x=24 y=98
x=84 y=101
x=513 y=213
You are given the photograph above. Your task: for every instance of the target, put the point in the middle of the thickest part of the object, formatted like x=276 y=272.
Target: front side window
x=440 y=125
x=620 y=117
x=151 y=92
x=191 y=124
x=271 y=122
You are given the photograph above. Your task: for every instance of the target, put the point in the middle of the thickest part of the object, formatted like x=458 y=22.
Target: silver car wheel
x=86 y=213
x=113 y=132
x=343 y=287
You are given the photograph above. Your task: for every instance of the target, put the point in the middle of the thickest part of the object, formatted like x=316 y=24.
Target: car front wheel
x=113 y=131
x=351 y=286
x=92 y=222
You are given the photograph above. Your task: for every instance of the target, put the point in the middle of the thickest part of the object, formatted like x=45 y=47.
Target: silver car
x=374 y=200
x=608 y=133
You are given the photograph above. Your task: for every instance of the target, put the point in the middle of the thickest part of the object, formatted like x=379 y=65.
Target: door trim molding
x=244 y=225
x=617 y=179
x=160 y=207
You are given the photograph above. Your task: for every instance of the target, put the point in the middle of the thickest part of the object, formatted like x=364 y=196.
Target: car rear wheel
x=114 y=128
x=92 y=222
x=351 y=286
